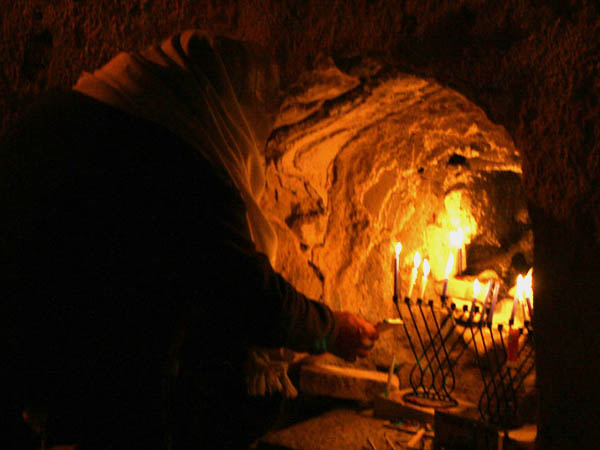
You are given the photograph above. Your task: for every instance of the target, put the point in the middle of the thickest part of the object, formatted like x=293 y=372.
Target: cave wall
x=531 y=66
x=364 y=155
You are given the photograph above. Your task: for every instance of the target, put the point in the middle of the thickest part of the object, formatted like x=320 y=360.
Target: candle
x=426 y=269
x=388 y=386
x=413 y=279
x=529 y=292
x=488 y=293
x=518 y=294
x=476 y=290
x=457 y=242
x=494 y=299
x=449 y=266
x=512 y=350
x=398 y=249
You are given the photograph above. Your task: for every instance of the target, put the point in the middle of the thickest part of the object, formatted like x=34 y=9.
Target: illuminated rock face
x=368 y=156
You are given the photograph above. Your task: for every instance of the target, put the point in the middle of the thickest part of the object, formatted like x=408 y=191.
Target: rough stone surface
x=531 y=66
x=343 y=382
x=339 y=429
x=394 y=158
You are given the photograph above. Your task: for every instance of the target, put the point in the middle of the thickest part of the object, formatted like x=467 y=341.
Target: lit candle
x=518 y=294
x=529 y=292
x=488 y=294
x=449 y=266
x=457 y=243
x=413 y=279
x=476 y=290
x=494 y=300
x=426 y=269
x=398 y=249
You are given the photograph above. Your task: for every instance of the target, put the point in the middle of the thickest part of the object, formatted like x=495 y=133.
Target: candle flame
x=449 y=265
x=528 y=284
x=476 y=288
x=417 y=260
x=520 y=287
x=398 y=248
x=426 y=268
x=456 y=238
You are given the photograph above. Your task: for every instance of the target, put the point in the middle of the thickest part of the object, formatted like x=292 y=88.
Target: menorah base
x=428 y=402
x=395 y=406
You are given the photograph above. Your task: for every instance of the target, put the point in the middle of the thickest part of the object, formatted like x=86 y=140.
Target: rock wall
x=383 y=156
x=531 y=66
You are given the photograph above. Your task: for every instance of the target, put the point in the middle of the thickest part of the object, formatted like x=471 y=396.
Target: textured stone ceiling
x=371 y=156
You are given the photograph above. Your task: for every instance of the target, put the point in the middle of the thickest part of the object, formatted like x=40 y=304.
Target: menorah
x=436 y=348
x=504 y=363
x=440 y=335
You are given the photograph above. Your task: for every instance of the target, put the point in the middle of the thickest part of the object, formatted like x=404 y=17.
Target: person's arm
x=274 y=313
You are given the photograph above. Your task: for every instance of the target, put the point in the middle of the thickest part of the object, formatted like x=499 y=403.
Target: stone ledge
x=343 y=382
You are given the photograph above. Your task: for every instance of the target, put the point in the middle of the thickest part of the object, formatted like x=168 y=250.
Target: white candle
x=488 y=293
x=388 y=386
x=413 y=279
x=518 y=294
x=449 y=266
x=426 y=269
x=398 y=249
x=494 y=299
x=476 y=291
x=529 y=292
x=457 y=242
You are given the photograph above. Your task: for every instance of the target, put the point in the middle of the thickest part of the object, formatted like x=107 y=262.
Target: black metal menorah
x=505 y=358
x=438 y=344
x=436 y=348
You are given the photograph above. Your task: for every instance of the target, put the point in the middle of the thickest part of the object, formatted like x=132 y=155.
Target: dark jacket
x=121 y=246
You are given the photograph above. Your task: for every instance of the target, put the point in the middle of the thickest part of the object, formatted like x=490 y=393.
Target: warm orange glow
x=457 y=238
x=528 y=285
x=476 y=288
x=520 y=287
x=413 y=278
x=426 y=268
x=449 y=266
x=417 y=260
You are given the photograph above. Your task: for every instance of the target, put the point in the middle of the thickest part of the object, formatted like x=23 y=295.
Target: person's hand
x=266 y=372
x=355 y=336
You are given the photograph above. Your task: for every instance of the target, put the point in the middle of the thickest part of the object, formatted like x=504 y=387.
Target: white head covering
x=214 y=94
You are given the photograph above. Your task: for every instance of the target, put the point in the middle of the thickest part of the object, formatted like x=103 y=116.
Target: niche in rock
x=365 y=156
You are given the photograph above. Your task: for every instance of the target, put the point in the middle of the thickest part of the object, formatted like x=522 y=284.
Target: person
x=138 y=261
